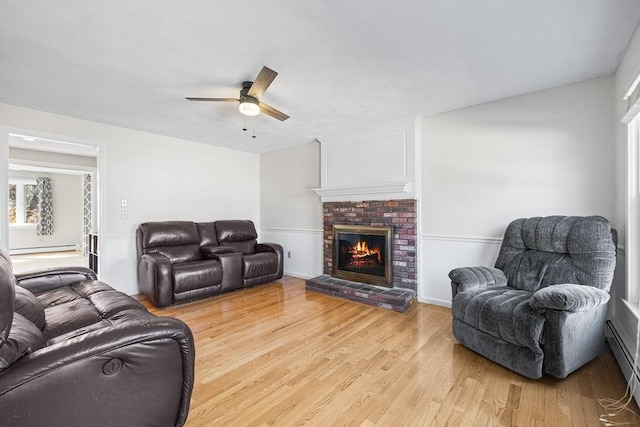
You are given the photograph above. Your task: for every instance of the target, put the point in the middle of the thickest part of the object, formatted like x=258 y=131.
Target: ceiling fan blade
x=270 y=111
x=214 y=99
x=262 y=82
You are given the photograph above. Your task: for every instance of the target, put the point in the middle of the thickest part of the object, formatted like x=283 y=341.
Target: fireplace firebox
x=363 y=254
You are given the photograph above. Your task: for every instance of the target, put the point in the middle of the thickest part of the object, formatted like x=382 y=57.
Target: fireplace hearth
x=363 y=254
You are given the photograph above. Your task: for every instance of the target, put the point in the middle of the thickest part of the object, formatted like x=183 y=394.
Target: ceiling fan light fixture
x=249 y=106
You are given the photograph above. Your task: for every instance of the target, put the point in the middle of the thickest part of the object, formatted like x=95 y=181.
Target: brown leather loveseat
x=75 y=352
x=181 y=261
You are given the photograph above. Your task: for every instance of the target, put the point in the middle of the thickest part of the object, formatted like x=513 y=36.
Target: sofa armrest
x=143 y=367
x=568 y=297
x=50 y=278
x=155 y=279
x=465 y=278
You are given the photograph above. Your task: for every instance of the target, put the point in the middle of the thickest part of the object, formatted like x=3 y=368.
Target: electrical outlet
x=124 y=214
x=288 y=254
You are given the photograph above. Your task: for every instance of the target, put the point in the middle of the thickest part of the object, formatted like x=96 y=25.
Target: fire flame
x=362 y=250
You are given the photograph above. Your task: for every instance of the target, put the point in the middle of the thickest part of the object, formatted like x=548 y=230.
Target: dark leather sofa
x=75 y=352
x=180 y=261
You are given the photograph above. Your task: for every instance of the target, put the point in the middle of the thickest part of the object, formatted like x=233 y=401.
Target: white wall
x=545 y=153
x=67 y=214
x=290 y=213
x=162 y=178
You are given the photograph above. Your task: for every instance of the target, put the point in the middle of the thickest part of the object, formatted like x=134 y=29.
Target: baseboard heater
x=24 y=251
x=624 y=358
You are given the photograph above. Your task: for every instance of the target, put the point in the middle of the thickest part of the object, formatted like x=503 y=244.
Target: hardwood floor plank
x=276 y=355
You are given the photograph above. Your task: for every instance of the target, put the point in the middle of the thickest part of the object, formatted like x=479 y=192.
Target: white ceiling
x=343 y=65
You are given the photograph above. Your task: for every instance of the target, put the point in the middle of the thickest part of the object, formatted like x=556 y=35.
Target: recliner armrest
x=51 y=278
x=568 y=297
x=465 y=278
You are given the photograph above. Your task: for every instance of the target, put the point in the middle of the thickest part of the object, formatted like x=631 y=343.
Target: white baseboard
x=435 y=301
x=24 y=251
x=298 y=275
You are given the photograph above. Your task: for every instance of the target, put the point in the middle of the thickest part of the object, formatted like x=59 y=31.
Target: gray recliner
x=544 y=305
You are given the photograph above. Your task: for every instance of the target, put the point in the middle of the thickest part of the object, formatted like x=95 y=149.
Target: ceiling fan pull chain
x=253 y=120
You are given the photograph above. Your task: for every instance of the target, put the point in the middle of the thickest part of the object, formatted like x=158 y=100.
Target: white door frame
x=70 y=142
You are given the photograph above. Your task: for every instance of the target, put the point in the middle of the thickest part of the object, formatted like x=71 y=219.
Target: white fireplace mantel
x=369 y=191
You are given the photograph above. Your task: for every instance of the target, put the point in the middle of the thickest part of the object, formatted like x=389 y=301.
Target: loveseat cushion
x=178 y=253
x=207 y=232
x=260 y=264
x=169 y=233
x=503 y=313
x=239 y=234
x=28 y=306
x=24 y=337
x=195 y=275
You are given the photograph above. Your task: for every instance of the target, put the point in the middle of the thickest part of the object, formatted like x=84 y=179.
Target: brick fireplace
x=400 y=214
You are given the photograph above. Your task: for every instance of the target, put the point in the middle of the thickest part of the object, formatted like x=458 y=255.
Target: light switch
x=124 y=214
x=124 y=203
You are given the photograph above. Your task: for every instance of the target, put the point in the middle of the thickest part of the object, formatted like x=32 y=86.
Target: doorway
x=50 y=199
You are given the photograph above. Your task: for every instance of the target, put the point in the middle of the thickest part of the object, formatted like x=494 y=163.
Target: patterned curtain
x=87 y=226
x=45 y=206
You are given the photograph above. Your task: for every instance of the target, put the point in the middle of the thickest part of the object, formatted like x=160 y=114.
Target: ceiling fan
x=250 y=104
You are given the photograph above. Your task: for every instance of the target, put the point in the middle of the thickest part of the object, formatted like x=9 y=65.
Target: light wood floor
x=276 y=355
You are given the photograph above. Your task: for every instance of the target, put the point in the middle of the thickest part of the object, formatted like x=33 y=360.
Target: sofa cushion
x=28 y=306
x=7 y=298
x=195 y=275
x=260 y=264
x=24 y=337
x=57 y=296
x=503 y=313
x=62 y=318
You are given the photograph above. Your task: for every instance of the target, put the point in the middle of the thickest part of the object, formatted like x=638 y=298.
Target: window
x=633 y=212
x=23 y=203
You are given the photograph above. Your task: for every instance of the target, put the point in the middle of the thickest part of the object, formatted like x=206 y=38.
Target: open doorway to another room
x=52 y=203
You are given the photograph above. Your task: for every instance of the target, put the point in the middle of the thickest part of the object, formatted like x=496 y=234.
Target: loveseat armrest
x=568 y=297
x=277 y=249
x=50 y=278
x=231 y=269
x=142 y=367
x=465 y=278
x=208 y=251
x=155 y=279
x=269 y=247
